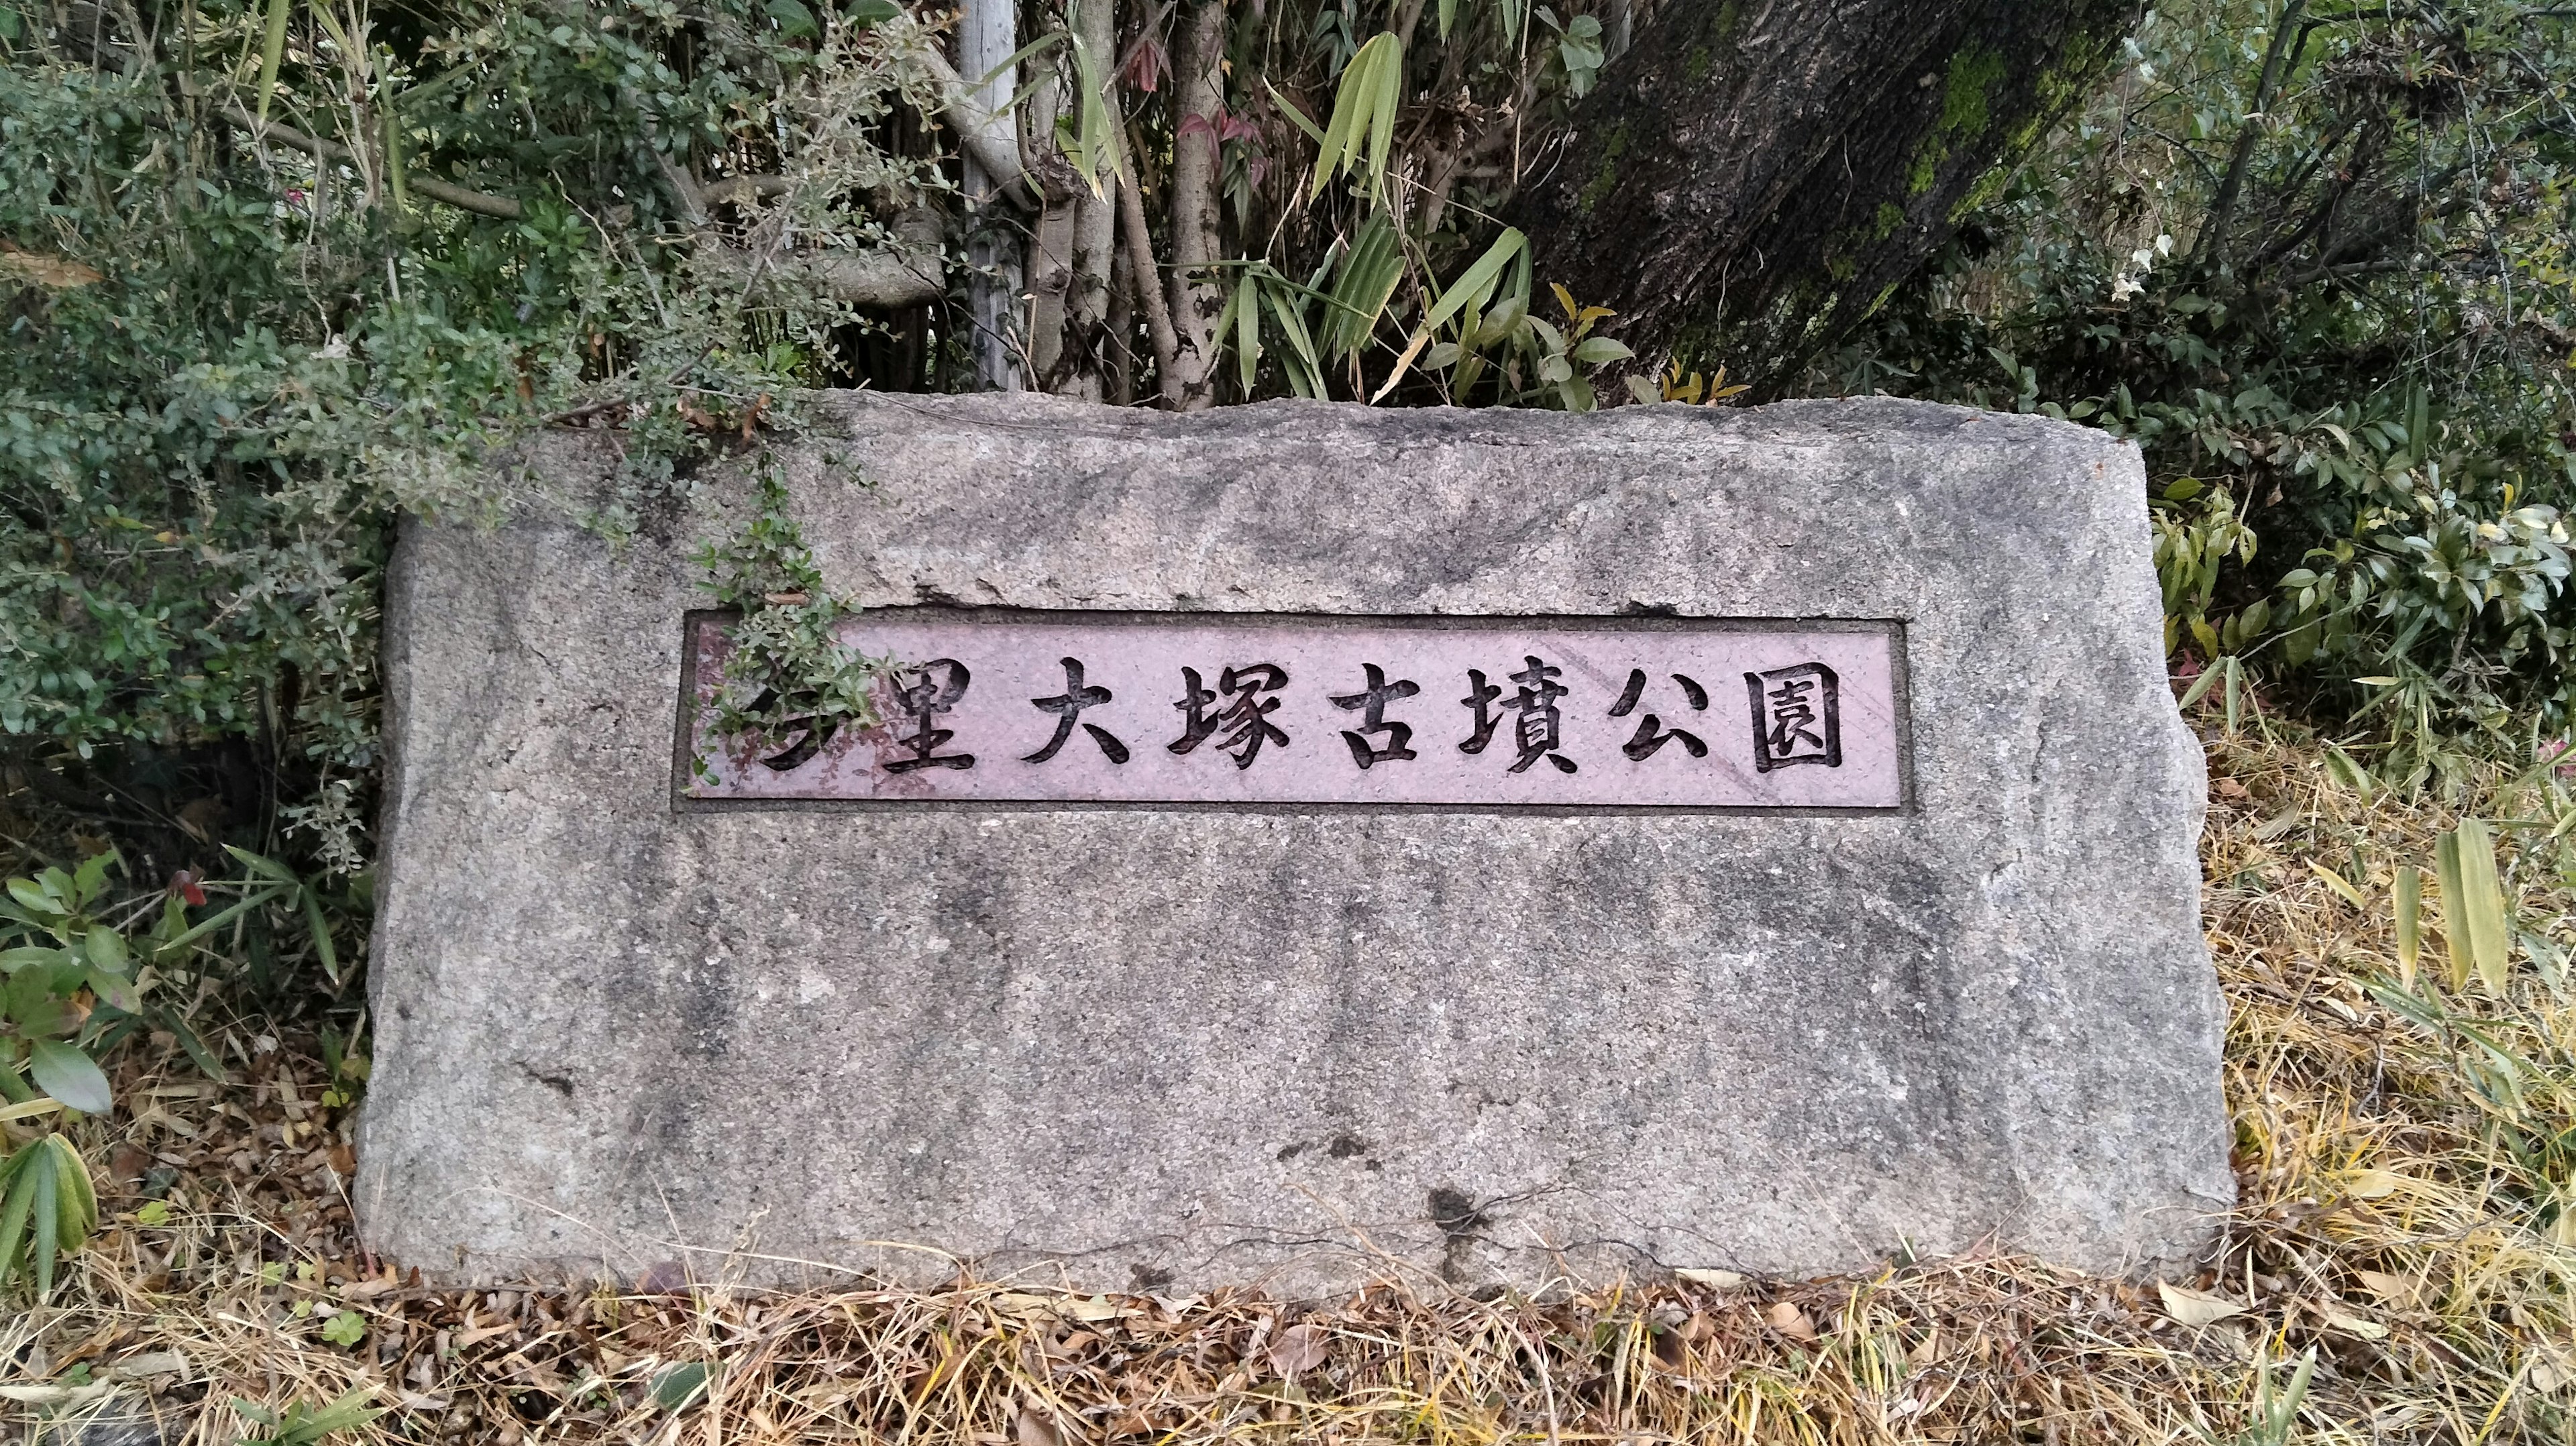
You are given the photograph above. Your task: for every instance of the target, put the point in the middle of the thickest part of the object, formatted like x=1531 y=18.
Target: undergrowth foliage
x=2315 y=260
x=232 y=361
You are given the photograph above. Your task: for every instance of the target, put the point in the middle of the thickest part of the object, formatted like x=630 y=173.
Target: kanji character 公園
x=1651 y=733
x=1797 y=717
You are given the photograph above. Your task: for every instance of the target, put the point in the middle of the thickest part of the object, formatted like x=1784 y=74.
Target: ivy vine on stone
x=789 y=684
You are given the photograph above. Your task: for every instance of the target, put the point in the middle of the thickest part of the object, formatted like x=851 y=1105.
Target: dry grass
x=2401 y=1188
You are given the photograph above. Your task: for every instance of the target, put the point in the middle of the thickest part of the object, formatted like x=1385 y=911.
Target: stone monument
x=1304 y=842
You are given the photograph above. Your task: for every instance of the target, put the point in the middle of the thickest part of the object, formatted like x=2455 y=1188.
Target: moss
x=1974 y=73
x=1927 y=166
x=1606 y=178
x=1890 y=216
x=1702 y=57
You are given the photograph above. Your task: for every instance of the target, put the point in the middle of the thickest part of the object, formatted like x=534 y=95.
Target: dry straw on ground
x=2403 y=1162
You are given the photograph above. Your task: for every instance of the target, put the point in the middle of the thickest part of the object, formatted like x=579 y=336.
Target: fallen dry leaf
x=2398 y=1290
x=1713 y=1279
x=1299 y=1349
x=2196 y=1308
x=1034 y=1429
x=1790 y=1321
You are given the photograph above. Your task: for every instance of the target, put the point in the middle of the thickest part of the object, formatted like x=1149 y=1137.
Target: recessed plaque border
x=1894 y=629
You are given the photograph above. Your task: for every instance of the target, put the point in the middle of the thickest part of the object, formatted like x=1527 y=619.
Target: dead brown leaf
x=1788 y=1320
x=1299 y=1349
x=54 y=273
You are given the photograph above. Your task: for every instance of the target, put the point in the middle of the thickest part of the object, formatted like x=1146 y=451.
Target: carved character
x=1372 y=702
x=1246 y=712
x=1067 y=708
x=1797 y=717
x=1651 y=733
x=935 y=688
x=1538 y=728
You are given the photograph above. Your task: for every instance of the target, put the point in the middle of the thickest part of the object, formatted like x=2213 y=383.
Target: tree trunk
x=1198 y=57
x=1752 y=178
x=1069 y=344
x=986 y=35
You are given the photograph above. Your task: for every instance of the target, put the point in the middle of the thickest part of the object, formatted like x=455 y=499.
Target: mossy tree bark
x=1752 y=178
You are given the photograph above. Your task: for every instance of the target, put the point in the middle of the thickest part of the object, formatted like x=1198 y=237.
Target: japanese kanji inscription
x=1146 y=709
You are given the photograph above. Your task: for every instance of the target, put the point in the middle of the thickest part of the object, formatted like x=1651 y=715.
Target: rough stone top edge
x=846 y=415
x=1823 y=419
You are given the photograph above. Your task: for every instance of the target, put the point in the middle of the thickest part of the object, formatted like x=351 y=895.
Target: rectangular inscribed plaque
x=989 y=706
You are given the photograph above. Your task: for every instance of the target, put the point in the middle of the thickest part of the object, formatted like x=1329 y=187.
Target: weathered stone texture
x=1167 y=1049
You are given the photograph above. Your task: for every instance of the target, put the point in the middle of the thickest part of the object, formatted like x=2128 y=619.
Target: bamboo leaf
x=1247 y=320
x=19 y=1203
x=272 y=53
x=1360 y=294
x=1364 y=104
x=265 y=893
x=1292 y=324
x=321 y=927
x=2446 y=873
x=1289 y=108
x=2200 y=686
x=1390 y=96
x=1477 y=282
x=2410 y=921
x=78 y=1199
x=2339 y=884
x=2482 y=904
x=1096 y=130
x=45 y=1215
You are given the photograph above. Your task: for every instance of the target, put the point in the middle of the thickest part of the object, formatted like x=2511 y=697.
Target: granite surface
x=1142 y=1049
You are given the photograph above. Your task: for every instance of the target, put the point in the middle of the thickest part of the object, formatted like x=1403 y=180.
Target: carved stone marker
x=1299 y=839
x=1180 y=711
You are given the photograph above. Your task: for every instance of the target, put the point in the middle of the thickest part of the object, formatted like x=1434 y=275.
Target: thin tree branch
x=2213 y=230
x=330 y=150
x=1148 y=281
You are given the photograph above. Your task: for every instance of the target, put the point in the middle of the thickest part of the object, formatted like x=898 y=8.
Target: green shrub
x=230 y=364
x=2316 y=262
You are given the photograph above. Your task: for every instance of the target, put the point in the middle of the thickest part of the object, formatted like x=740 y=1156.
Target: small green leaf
x=794 y=20
x=106 y=948
x=13 y=960
x=869 y=14
x=91 y=877
x=1596 y=351
x=344 y=1329
x=114 y=990
x=68 y=1075
x=675 y=1388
